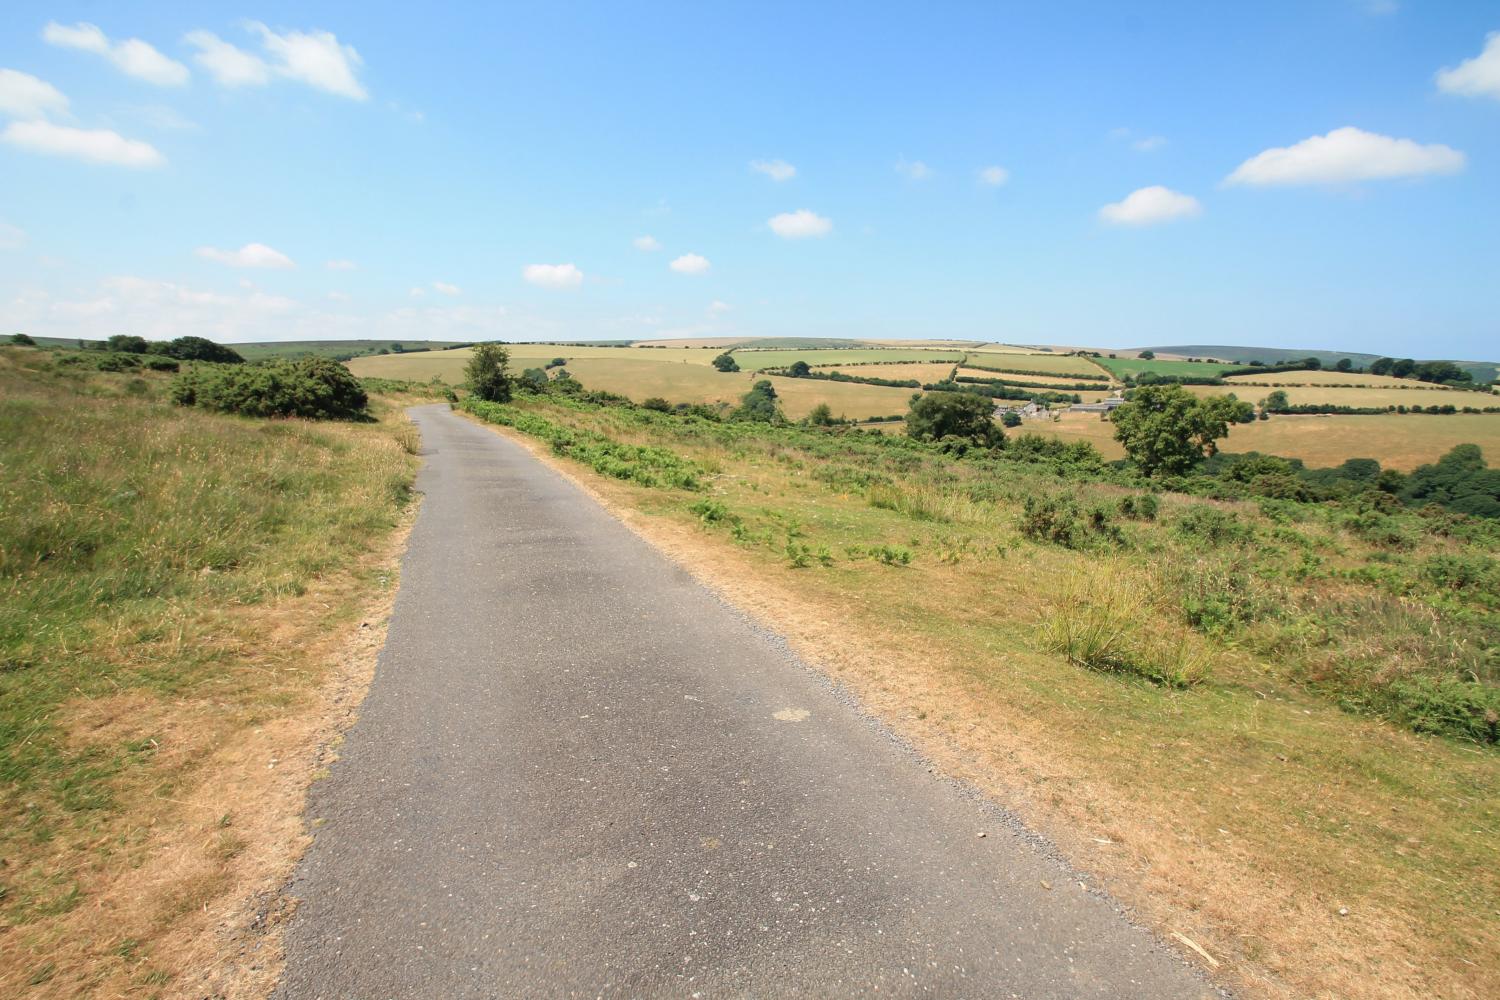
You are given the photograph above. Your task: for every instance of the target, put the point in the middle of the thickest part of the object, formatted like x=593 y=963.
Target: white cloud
x=229 y=65
x=24 y=96
x=718 y=306
x=11 y=237
x=994 y=176
x=132 y=57
x=1150 y=205
x=647 y=243
x=1148 y=144
x=914 y=170
x=341 y=265
x=94 y=145
x=316 y=58
x=158 y=310
x=1476 y=77
x=445 y=288
x=1346 y=154
x=690 y=263
x=777 y=170
x=553 y=275
x=249 y=255
x=800 y=225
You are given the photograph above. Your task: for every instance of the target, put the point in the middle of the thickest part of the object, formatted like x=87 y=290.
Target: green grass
x=1036 y=364
x=1195 y=369
x=136 y=540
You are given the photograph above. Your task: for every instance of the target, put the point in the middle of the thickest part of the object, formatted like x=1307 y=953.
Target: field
x=923 y=373
x=1248 y=811
x=1399 y=441
x=180 y=599
x=1027 y=379
x=1135 y=366
x=1062 y=364
x=750 y=360
x=1325 y=377
x=1348 y=396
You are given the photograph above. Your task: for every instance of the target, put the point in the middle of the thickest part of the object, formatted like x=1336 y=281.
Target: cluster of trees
x=1166 y=430
x=1004 y=391
x=183 y=348
x=954 y=418
x=725 y=363
x=1439 y=372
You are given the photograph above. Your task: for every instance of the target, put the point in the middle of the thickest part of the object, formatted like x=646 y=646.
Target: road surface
x=579 y=774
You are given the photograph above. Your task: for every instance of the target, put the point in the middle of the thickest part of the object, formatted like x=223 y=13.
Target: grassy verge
x=1216 y=707
x=175 y=590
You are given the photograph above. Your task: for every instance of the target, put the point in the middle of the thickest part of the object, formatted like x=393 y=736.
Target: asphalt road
x=580 y=774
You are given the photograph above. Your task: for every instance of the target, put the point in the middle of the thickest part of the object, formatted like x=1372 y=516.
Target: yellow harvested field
x=846 y=399
x=449 y=365
x=1398 y=441
x=1061 y=364
x=922 y=372
x=1346 y=396
x=1334 y=378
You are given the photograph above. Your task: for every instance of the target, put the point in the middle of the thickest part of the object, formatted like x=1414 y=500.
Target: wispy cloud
x=777 y=170
x=315 y=58
x=993 y=176
x=132 y=57
x=27 y=97
x=646 y=243
x=913 y=170
x=250 y=255
x=92 y=145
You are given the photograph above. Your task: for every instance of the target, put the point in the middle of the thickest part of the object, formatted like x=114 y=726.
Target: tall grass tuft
x=1105 y=619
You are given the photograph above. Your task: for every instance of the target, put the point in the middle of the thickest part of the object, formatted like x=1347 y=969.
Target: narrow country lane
x=580 y=774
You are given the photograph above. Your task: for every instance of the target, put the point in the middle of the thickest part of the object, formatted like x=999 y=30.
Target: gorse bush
x=1062 y=520
x=311 y=387
x=1213 y=526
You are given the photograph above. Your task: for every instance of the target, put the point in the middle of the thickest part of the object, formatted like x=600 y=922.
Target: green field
x=752 y=360
x=1046 y=364
x=1195 y=369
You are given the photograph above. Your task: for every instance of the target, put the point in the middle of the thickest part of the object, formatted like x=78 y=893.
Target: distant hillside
x=1483 y=371
x=340 y=349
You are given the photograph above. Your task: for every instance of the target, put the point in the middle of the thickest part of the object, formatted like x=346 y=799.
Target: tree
x=1382 y=366
x=1147 y=355
x=1167 y=430
x=1010 y=418
x=557 y=362
x=534 y=379
x=1311 y=363
x=1276 y=402
x=488 y=373
x=1403 y=368
x=726 y=363
x=821 y=415
x=201 y=349
x=22 y=340
x=759 y=404
x=1344 y=365
x=127 y=344
x=397 y=349
x=1441 y=372
x=934 y=416
x=799 y=369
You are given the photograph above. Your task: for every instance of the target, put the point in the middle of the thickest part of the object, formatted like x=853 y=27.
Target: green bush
x=1061 y=520
x=311 y=387
x=1202 y=523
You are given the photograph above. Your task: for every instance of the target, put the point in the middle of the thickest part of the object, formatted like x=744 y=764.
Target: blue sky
x=1322 y=173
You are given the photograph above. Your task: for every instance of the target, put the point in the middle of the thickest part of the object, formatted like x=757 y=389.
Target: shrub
x=22 y=340
x=307 y=387
x=488 y=373
x=1219 y=596
x=1203 y=523
x=658 y=404
x=1061 y=520
x=1141 y=506
x=725 y=363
